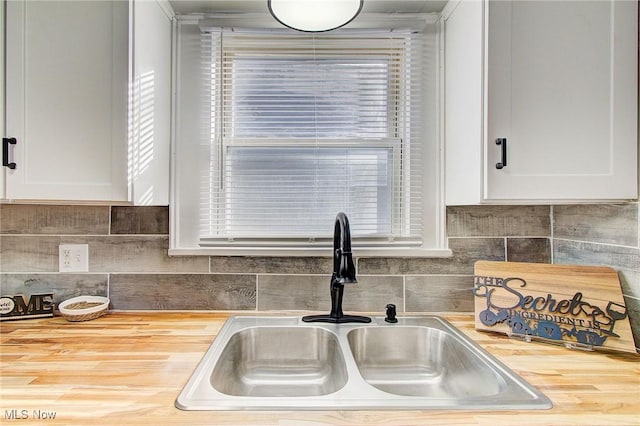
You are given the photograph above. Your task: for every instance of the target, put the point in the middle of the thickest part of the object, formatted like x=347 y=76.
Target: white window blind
x=304 y=126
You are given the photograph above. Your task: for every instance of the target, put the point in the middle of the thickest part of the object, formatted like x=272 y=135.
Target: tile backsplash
x=128 y=260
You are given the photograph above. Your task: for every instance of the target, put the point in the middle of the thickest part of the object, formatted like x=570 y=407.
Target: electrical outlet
x=74 y=257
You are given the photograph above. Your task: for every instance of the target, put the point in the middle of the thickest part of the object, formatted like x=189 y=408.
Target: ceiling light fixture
x=314 y=15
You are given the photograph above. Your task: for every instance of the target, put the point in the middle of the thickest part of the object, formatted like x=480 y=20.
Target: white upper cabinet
x=66 y=100
x=88 y=90
x=558 y=81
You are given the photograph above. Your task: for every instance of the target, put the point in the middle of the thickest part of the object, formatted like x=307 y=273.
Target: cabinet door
x=562 y=89
x=66 y=99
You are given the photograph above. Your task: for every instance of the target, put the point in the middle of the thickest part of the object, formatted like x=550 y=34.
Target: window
x=286 y=129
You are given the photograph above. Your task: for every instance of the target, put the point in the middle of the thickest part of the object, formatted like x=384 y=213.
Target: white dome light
x=314 y=15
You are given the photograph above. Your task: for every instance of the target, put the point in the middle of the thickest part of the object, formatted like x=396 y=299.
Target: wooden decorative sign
x=18 y=307
x=577 y=306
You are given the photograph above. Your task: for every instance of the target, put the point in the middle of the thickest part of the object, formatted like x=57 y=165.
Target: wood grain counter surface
x=128 y=368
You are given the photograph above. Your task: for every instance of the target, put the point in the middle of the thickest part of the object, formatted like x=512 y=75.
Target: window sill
x=310 y=252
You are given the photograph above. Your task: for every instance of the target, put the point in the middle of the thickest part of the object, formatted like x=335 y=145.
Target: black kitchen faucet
x=344 y=272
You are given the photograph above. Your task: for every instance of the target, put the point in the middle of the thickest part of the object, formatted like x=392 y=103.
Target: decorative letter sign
x=18 y=307
x=565 y=304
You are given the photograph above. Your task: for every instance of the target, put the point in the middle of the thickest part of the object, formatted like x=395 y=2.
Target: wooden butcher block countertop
x=127 y=368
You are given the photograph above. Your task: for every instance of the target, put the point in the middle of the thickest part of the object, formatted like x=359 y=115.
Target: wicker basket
x=84 y=308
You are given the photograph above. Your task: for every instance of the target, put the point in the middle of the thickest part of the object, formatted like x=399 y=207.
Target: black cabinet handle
x=5 y=152
x=502 y=142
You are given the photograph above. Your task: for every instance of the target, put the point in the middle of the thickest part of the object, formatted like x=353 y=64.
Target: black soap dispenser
x=391 y=314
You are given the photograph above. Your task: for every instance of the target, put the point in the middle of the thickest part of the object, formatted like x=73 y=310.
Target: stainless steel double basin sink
x=282 y=363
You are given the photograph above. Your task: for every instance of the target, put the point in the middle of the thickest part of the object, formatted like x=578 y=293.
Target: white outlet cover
x=73 y=258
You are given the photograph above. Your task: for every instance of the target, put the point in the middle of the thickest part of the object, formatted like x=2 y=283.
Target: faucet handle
x=391 y=314
x=345 y=268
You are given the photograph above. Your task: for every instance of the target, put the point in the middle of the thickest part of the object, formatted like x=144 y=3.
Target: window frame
x=434 y=244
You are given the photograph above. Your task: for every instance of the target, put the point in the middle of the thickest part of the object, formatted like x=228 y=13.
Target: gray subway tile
x=53 y=219
x=583 y=253
x=29 y=253
x=439 y=293
x=140 y=220
x=498 y=221
x=63 y=286
x=271 y=265
x=287 y=292
x=293 y=292
x=139 y=254
x=183 y=291
x=534 y=250
x=465 y=253
x=311 y=292
x=598 y=223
